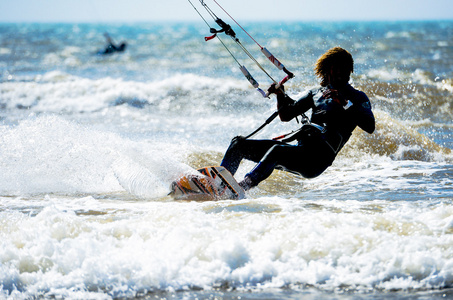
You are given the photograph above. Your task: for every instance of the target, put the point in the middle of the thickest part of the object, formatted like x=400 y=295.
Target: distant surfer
x=337 y=109
x=111 y=47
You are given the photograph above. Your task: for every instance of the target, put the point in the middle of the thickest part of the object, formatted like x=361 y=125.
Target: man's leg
x=281 y=155
x=241 y=148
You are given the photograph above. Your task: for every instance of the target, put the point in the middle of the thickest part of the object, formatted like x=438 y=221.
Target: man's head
x=334 y=67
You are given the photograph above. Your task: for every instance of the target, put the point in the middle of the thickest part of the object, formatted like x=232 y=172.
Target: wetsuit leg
x=241 y=148
x=308 y=160
x=279 y=155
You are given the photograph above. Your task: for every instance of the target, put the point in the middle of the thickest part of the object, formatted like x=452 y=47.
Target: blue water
x=89 y=145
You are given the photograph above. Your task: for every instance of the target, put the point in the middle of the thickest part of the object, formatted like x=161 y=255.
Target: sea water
x=89 y=145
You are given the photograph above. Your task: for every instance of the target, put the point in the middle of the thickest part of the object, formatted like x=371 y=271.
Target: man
x=111 y=47
x=337 y=108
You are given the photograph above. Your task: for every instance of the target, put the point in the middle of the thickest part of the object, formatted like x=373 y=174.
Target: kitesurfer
x=337 y=109
x=111 y=47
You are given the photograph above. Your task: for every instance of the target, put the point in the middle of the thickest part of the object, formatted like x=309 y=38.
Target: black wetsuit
x=315 y=150
x=111 y=48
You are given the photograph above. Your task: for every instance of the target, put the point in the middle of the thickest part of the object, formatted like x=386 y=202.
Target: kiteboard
x=213 y=183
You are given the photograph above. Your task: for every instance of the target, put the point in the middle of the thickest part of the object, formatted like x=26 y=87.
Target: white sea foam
x=60 y=92
x=264 y=243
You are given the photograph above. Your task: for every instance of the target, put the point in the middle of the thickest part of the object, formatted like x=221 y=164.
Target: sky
x=254 y=10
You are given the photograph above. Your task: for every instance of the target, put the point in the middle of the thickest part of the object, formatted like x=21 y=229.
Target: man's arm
x=365 y=116
x=288 y=108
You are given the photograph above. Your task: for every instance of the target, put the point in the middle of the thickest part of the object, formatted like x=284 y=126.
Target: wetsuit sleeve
x=289 y=108
x=363 y=113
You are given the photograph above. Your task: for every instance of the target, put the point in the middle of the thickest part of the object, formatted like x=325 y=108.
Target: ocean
x=89 y=145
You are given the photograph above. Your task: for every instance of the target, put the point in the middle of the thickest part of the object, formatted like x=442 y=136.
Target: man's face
x=338 y=76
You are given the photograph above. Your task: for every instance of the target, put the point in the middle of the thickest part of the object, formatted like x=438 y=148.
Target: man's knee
x=237 y=142
x=274 y=153
x=238 y=139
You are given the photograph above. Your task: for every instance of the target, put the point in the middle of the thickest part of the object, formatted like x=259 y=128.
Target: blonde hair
x=337 y=57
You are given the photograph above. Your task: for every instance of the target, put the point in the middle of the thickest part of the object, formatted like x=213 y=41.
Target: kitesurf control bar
x=229 y=31
x=226 y=28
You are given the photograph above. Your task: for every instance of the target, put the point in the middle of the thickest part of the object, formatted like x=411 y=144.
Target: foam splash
x=51 y=155
x=399 y=141
x=148 y=178
x=137 y=180
x=48 y=154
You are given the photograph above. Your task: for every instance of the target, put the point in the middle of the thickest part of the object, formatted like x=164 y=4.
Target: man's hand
x=273 y=90
x=335 y=96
